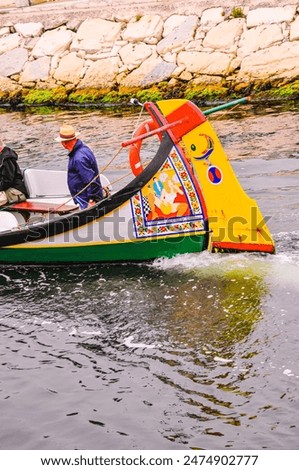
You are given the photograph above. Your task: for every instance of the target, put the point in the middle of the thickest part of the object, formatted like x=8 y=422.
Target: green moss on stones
x=151 y=94
x=115 y=97
x=285 y=91
x=201 y=93
x=87 y=95
x=206 y=92
x=39 y=97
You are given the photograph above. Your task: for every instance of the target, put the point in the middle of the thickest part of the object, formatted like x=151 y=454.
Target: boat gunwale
x=68 y=222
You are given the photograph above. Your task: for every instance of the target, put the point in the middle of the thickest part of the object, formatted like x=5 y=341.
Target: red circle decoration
x=214 y=174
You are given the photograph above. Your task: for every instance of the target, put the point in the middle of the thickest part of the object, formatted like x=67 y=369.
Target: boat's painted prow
x=235 y=219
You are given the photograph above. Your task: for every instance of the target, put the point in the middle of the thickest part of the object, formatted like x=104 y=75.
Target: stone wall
x=104 y=48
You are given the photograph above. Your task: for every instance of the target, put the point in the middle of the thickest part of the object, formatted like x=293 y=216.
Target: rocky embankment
x=75 y=57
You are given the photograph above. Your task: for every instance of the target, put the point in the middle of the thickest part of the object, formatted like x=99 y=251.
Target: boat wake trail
x=287 y=252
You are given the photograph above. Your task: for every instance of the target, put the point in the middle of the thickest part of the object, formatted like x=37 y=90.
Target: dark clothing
x=82 y=169
x=10 y=173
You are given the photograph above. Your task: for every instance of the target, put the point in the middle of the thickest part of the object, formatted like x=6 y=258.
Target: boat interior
x=49 y=197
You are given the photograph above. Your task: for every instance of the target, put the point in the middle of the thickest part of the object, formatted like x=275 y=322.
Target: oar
x=230 y=104
x=155 y=131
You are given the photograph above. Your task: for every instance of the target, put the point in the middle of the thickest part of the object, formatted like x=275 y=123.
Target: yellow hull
x=235 y=219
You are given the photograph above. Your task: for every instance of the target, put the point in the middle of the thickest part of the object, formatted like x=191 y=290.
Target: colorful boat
x=187 y=199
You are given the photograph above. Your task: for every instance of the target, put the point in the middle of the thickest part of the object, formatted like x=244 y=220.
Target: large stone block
x=94 y=34
x=173 y=22
x=211 y=17
x=179 y=37
x=270 y=15
x=7 y=43
x=12 y=62
x=36 y=70
x=132 y=55
x=69 y=69
x=275 y=62
x=28 y=30
x=151 y=71
x=53 y=42
x=147 y=29
x=208 y=63
x=224 y=35
x=258 y=38
x=101 y=74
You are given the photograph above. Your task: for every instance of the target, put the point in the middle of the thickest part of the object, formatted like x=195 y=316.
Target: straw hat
x=66 y=133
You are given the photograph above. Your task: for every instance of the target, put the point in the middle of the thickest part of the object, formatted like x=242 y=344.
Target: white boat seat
x=46 y=183
x=50 y=183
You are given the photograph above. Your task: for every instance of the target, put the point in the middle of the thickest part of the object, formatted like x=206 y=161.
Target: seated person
x=12 y=186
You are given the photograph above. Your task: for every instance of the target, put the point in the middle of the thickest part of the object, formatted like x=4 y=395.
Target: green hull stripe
x=139 y=251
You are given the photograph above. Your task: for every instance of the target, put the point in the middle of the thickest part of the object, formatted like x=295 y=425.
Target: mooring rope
x=138 y=119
